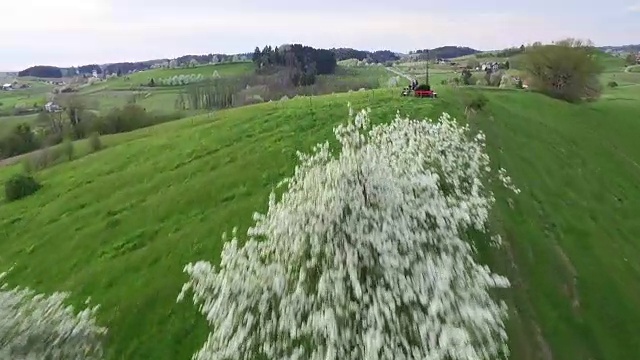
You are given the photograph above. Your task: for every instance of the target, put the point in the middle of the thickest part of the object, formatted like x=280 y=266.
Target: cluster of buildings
x=14 y=86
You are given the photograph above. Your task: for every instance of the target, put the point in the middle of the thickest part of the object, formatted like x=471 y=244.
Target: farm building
x=52 y=107
x=7 y=87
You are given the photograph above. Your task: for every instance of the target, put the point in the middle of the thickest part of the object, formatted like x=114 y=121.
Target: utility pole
x=427 y=70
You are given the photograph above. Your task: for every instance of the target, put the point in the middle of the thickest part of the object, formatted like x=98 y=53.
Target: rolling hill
x=118 y=225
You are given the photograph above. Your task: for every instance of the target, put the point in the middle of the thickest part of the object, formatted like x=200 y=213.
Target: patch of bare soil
x=571 y=289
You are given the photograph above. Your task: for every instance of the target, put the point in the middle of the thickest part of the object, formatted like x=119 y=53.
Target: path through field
x=628 y=68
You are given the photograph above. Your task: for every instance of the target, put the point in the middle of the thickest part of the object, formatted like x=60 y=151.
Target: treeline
x=380 y=56
x=302 y=62
x=42 y=71
x=210 y=58
x=262 y=86
x=76 y=122
x=509 y=52
x=445 y=52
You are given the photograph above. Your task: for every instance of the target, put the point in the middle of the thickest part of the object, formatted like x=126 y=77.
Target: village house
x=493 y=66
x=7 y=87
x=52 y=107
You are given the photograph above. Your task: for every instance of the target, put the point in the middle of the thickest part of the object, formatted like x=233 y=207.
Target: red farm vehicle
x=422 y=90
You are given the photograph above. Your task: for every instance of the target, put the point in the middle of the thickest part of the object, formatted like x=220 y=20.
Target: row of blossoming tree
x=364 y=256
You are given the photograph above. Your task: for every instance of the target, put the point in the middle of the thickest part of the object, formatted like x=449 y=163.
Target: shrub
x=20 y=140
x=477 y=102
x=566 y=71
x=43 y=158
x=19 y=186
x=467 y=78
x=180 y=80
x=506 y=82
x=27 y=165
x=496 y=78
x=612 y=84
x=365 y=252
x=37 y=326
x=95 y=144
x=67 y=148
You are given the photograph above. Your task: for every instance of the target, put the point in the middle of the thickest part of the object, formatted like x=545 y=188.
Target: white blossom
x=506 y=181
x=364 y=256
x=35 y=326
x=182 y=79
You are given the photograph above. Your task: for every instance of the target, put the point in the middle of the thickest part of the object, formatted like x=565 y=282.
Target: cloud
x=634 y=8
x=73 y=32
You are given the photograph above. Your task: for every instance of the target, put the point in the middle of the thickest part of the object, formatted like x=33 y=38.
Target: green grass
x=119 y=225
x=24 y=97
x=7 y=123
x=634 y=69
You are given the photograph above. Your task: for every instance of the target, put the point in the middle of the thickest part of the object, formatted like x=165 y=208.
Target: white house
x=7 y=87
x=52 y=107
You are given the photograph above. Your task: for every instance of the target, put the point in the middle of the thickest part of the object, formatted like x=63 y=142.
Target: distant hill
x=621 y=48
x=121 y=67
x=378 y=56
x=444 y=52
x=42 y=71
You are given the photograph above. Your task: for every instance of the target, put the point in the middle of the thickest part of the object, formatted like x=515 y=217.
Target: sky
x=77 y=32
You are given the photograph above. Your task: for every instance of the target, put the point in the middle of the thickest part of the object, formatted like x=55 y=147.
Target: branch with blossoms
x=37 y=326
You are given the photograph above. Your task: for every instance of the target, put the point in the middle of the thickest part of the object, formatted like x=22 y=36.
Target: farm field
x=117 y=92
x=120 y=224
x=9 y=122
x=24 y=97
x=143 y=77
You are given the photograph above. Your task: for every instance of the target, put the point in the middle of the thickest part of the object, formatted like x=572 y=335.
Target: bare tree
x=74 y=106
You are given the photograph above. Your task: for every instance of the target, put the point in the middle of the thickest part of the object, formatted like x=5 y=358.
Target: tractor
x=422 y=90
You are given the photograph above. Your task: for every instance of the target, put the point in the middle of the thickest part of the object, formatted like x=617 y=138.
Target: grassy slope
x=24 y=97
x=120 y=224
x=143 y=77
x=8 y=123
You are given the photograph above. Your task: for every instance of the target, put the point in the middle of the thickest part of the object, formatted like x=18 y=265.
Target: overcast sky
x=77 y=32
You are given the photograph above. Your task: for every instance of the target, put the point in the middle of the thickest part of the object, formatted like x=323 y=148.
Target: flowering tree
x=365 y=255
x=36 y=326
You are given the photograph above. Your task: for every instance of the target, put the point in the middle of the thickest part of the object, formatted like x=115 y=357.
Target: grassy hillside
x=24 y=97
x=143 y=77
x=120 y=224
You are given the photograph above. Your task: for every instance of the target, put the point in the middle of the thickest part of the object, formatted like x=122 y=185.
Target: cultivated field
x=119 y=225
x=117 y=92
x=143 y=77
